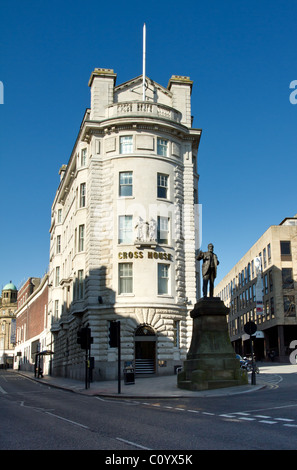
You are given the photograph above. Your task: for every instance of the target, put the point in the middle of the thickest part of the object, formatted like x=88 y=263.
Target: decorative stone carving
x=146 y=232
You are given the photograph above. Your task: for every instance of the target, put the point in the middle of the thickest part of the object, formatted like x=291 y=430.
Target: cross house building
x=124 y=229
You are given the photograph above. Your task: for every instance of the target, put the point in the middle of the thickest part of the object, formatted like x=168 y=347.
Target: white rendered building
x=124 y=229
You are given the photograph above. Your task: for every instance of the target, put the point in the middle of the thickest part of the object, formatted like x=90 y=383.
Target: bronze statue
x=209 y=268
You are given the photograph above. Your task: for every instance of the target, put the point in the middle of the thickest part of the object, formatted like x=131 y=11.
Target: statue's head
x=210 y=247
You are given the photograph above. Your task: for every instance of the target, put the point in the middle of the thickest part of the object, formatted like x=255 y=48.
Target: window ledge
x=164 y=200
x=125 y=197
x=165 y=296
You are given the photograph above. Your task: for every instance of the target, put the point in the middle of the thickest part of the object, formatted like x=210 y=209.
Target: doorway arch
x=145 y=342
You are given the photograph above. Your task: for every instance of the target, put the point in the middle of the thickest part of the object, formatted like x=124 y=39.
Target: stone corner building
x=124 y=229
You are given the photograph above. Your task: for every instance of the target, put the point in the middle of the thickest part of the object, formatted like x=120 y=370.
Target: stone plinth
x=211 y=362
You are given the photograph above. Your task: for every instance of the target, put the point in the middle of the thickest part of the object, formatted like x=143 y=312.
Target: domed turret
x=9 y=293
x=10 y=286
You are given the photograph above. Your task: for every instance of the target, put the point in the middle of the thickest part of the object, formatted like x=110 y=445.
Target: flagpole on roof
x=143 y=62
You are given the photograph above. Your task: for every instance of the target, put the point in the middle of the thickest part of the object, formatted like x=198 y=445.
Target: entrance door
x=145 y=350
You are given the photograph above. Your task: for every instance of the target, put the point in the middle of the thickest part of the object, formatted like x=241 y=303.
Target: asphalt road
x=37 y=417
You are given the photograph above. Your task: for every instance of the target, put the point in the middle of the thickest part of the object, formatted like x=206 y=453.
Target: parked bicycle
x=248 y=364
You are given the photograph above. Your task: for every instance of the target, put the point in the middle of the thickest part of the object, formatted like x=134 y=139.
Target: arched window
x=145 y=330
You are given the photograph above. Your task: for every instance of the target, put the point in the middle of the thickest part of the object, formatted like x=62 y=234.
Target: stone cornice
x=134 y=123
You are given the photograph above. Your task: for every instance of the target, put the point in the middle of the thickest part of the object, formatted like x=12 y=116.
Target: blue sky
x=242 y=57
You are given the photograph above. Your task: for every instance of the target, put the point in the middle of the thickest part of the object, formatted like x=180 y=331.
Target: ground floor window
x=176 y=333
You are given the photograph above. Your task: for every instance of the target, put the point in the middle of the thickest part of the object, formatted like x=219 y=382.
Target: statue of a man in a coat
x=209 y=269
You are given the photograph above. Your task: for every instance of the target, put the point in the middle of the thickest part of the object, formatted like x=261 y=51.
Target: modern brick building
x=124 y=229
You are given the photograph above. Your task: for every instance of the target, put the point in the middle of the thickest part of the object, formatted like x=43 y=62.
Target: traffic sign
x=250 y=328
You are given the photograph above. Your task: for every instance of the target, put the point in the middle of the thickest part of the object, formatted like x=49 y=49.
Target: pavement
x=165 y=386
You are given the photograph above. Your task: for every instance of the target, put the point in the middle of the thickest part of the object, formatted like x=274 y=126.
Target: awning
x=46 y=352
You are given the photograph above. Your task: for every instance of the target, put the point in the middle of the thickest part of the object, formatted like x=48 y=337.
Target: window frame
x=57 y=276
x=287 y=278
x=123 y=239
x=125 y=185
x=160 y=231
x=290 y=303
x=58 y=245
x=81 y=238
x=124 y=278
x=162 y=185
x=162 y=147
x=176 y=333
x=59 y=216
x=80 y=284
x=282 y=245
x=83 y=157
x=126 y=144
x=265 y=284
x=56 y=309
x=269 y=253
x=163 y=279
x=82 y=195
